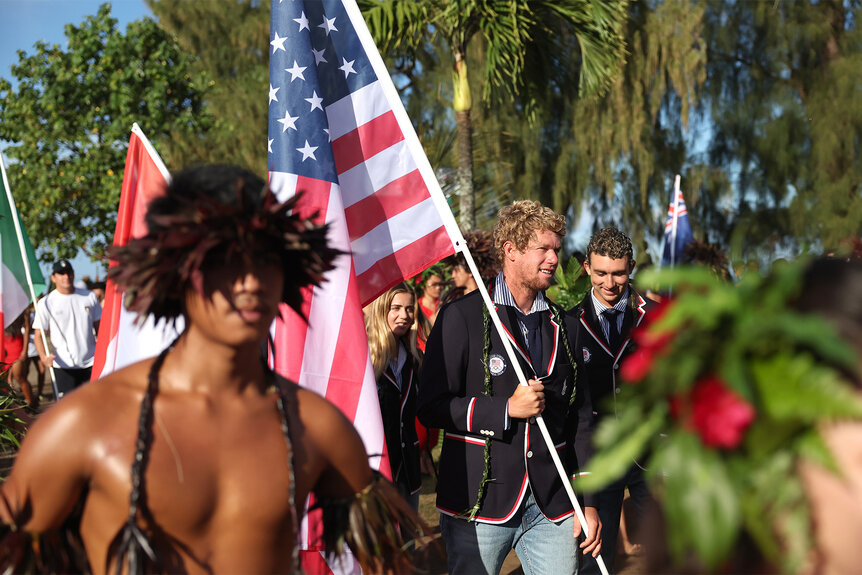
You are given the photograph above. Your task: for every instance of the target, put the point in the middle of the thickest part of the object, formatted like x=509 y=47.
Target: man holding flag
x=498 y=488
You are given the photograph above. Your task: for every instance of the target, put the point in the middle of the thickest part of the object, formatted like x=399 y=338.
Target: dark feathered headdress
x=210 y=215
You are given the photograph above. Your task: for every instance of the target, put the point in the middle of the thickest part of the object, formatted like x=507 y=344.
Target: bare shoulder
x=91 y=411
x=322 y=421
x=317 y=411
x=101 y=402
x=64 y=446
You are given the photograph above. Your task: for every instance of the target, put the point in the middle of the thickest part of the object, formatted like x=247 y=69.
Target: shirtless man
x=216 y=495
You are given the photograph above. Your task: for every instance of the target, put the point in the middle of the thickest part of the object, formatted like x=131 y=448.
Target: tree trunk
x=462 y=103
x=467 y=208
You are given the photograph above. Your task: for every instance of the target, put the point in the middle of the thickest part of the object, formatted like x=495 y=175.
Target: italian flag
x=21 y=279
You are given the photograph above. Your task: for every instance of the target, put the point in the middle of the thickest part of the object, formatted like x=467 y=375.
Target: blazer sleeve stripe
x=470 y=408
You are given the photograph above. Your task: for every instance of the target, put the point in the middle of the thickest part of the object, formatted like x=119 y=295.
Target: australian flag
x=677 y=230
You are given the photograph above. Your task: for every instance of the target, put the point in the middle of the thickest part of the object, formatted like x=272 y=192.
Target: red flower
x=719 y=415
x=649 y=345
x=637 y=365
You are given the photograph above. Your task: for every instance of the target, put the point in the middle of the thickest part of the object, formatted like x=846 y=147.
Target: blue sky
x=25 y=22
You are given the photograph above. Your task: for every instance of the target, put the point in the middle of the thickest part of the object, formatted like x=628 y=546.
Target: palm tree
x=522 y=39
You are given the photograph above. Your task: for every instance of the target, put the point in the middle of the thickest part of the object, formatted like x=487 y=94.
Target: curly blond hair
x=381 y=343
x=521 y=221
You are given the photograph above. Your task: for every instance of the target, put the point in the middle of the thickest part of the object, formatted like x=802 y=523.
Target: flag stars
x=303 y=22
x=272 y=94
x=318 y=56
x=328 y=135
x=347 y=67
x=296 y=71
x=328 y=25
x=288 y=122
x=315 y=101
x=307 y=151
x=278 y=44
x=269 y=145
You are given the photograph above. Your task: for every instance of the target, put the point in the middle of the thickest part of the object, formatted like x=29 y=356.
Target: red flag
x=339 y=133
x=120 y=343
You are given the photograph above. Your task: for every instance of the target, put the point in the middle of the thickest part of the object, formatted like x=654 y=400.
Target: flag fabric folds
x=18 y=261
x=120 y=342
x=339 y=134
x=677 y=230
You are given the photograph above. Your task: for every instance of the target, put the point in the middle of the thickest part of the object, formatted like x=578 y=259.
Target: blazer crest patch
x=496 y=364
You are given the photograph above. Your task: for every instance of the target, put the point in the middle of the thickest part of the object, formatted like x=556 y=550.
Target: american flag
x=339 y=133
x=677 y=229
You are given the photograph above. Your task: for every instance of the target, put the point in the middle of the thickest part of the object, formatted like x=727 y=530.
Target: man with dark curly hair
x=200 y=460
x=498 y=488
x=606 y=317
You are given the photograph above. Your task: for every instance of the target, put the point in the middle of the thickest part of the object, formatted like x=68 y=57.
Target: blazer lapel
x=513 y=332
x=390 y=377
x=550 y=343
x=633 y=317
x=592 y=326
x=406 y=381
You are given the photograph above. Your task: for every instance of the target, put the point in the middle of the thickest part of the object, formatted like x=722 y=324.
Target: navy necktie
x=613 y=330
x=533 y=338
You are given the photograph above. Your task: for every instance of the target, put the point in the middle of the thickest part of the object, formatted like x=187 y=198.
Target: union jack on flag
x=677 y=230
x=339 y=134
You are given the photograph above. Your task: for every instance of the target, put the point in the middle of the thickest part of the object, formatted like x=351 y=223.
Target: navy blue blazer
x=398 y=408
x=451 y=397
x=600 y=363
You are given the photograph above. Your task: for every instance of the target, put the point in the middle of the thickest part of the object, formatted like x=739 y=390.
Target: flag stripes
x=366 y=141
x=385 y=167
x=334 y=354
x=393 y=267
x=390 y=200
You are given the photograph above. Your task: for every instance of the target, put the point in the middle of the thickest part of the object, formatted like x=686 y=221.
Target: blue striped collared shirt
x=619 y=306
x=502 y=296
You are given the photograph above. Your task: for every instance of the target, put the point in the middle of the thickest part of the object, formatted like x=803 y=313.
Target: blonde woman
x=391 y=325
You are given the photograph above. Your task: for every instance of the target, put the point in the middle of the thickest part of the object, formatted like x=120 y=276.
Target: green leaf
x=813 y=448
x=700 y=501
x=775 y=509
x=624 y=439
x=795 y=387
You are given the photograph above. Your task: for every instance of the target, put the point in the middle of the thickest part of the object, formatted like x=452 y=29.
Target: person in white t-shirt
x=70 y=319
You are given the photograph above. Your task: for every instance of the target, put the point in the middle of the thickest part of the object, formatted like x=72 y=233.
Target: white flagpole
x=540 y=421
x=26 y=260
x=675 y=202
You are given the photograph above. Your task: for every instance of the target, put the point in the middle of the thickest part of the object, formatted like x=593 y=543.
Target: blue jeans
x=542 y=546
